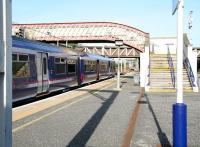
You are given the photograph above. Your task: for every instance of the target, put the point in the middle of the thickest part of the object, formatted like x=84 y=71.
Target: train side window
x=23 y=57
x=86 y=68
x=71 y=66
x=103 y=67
x=20 y=66
x=60 y=67
x=90 y=66
x=62 y=60
x=93 y=66
x=57 y=60
x=14 y=57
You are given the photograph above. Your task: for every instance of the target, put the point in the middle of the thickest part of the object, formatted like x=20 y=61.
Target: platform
x=100 y=116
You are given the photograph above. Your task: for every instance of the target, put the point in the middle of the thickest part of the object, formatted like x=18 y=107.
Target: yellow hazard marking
x=55 y=111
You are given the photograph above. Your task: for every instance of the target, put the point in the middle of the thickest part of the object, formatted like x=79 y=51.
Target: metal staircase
x=162 y=74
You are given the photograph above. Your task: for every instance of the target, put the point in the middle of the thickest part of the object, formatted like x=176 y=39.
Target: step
x=163 y=67
x=168 y=90
x=154 y=78
x=160 y=63
x=153 y=54
x=166 y=71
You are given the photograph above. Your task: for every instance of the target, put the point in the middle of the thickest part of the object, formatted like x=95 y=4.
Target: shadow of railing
x=82 y=137
x=161 y=135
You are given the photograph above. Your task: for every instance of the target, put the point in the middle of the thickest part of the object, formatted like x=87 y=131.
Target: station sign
x=175 y=4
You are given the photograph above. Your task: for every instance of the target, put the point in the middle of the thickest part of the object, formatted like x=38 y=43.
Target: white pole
x=5 y=74
x=121 y=67
x=103 y=51
x=180 y=54
x=118 y=70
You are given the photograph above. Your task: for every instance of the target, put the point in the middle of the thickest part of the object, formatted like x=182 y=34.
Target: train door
x=42 y=69
x=97 y=68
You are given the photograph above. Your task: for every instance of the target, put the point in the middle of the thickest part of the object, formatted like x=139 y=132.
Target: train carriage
x=40 y=68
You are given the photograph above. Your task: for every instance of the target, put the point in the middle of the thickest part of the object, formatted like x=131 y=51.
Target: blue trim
x=34 y=45
x=179 y=125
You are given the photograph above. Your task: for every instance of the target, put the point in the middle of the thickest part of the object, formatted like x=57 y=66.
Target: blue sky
x=152 y=16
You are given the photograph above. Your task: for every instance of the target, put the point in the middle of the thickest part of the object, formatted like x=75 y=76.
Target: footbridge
x=92 y=32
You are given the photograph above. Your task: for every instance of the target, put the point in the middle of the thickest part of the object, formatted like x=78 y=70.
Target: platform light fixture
x=118 y=43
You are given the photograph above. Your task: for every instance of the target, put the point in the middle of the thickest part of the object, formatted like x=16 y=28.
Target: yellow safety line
x=51 y=113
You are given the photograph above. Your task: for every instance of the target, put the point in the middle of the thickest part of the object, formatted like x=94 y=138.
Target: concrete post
x=103 y=51
x=5 y=74
x=144 y=68
x=118 y=70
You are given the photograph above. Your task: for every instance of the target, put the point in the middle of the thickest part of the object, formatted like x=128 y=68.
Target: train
x=39 y=68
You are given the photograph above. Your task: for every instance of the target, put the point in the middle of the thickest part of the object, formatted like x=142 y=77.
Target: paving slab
x=154 y=123
x=98 y=118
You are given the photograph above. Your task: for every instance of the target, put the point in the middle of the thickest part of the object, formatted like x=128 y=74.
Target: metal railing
x=189 y=71
x=171 y=66
x=148 y=84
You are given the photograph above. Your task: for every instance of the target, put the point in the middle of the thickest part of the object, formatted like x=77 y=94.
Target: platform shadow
x=82 y=137
x=164 y=141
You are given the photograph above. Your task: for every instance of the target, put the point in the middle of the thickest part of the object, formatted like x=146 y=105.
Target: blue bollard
x=179 y=125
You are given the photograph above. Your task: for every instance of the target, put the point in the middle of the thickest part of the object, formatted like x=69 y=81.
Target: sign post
x=5 y=74
x=179 y=108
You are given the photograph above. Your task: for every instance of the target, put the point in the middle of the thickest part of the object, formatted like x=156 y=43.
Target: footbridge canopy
x=84 y=31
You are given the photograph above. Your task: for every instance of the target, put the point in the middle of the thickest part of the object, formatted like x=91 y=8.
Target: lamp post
x=118 y=43
x=190 y=25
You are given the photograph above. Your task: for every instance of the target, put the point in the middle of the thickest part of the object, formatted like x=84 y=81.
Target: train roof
x=95 y=56
x=34 y=45
x=44 y=47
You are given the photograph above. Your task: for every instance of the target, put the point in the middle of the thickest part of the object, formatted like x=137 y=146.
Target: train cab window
x=71 y=66
x=60 y=67
x=20 y=66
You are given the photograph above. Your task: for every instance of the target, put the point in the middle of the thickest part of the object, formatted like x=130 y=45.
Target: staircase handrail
x=189 y=72
x=171 y=65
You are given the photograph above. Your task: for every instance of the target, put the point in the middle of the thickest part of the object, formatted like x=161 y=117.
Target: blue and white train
x=40 y=68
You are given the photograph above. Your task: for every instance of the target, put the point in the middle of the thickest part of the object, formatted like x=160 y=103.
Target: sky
x=151 y=16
